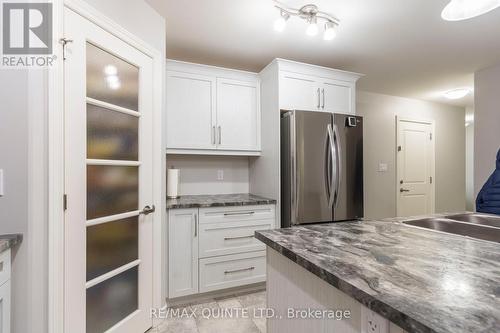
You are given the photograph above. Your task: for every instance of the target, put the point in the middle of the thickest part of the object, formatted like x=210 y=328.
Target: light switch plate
x=382 y=167
x=1 y=183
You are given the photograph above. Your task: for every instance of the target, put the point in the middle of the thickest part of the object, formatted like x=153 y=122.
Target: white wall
x=486 y=123
x=379 y=112
x=24 y=111
x=198 y=174
x=14 y=161
x=469 y=159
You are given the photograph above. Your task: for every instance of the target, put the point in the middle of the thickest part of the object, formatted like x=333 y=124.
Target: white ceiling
x=402 y=46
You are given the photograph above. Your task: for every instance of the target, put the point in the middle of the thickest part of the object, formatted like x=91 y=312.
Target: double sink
x=474 y=225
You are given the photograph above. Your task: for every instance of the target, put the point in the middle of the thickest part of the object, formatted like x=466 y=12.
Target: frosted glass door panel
x=111 y=135
x=111 y=79
x=111 y=190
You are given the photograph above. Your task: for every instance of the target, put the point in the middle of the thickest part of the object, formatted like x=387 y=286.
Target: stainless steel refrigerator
x=321 y=167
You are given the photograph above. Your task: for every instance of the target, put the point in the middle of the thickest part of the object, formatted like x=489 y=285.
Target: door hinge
x=65 y=41
x=65 y=202
x=430 y=179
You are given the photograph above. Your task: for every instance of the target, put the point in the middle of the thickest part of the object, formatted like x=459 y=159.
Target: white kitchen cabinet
x=298 y=92
x=337 y=96
x=182 y=252
x=314 y=88
x=232 y=270
x=238 y=115
x=212 y=111
x=191 y=103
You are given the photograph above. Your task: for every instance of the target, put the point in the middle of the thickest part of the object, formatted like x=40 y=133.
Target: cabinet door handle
x=195 y=225
x=238 y=237
x=319 y=99
x=240 y=270
x=213 y=135
x=220 y=135
x=323 y=91
x=239 y=213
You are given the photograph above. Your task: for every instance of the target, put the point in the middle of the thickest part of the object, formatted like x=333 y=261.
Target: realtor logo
x=27 y=28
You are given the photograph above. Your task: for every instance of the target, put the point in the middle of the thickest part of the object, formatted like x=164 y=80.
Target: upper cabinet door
x=338 y=96
x=299 y=92
x=190 y=111
x=238 y=115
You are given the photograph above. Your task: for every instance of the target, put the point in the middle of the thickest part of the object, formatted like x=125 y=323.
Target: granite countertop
x=217 y=200
x=8 y=241
x=421 y=280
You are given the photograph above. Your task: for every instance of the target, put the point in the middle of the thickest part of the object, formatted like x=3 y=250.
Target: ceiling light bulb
x=330 y=32
x=312 y=29
x=457 y=93
x=110 y=70
x=280 y=23
x=458 y=10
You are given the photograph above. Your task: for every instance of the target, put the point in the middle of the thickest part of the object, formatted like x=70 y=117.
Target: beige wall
x=486 y=123
x=379 y=112
x=469 y=159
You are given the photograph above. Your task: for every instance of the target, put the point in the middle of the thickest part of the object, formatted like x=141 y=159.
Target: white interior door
x=108 y=181
x=415 y=168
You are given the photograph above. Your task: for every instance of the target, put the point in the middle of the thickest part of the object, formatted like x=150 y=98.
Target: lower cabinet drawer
x=218 y=239
x=232 y=270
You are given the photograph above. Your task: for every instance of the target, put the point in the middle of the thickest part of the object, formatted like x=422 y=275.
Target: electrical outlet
x=372 y=322
x=220 y=174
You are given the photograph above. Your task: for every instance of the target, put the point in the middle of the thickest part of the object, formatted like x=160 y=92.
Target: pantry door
x=108 y=181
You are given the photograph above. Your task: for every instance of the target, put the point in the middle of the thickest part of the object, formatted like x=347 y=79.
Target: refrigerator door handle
x=338 y=164
x=328 y=165
x=333 y=166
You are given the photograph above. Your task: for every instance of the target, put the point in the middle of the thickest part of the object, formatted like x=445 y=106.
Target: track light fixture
x=311 y=14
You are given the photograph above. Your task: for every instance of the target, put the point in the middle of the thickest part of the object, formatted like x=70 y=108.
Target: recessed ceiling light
x=457 y=93
x=458 y=10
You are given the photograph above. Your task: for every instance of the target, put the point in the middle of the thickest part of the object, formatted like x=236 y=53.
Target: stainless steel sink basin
x=483 y=219
x=479 y=231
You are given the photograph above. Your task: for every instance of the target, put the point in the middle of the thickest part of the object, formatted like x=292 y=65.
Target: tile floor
x=234 y=305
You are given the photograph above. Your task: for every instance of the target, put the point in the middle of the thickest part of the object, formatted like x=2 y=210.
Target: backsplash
x=201 y=174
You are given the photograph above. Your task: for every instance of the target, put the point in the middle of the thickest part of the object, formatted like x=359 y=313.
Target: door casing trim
x=56 y=158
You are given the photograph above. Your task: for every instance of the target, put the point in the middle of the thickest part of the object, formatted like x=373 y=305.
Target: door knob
x=148 y=210
x=403 y=190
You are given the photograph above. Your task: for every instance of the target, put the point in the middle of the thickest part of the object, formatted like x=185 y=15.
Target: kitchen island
x=419 y=280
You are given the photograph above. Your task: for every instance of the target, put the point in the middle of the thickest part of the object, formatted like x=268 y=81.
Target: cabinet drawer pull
x=239 y=213
x=220 y=135
x=213 y=135
x=323 y=91
x=238 y=237
x=240 y=270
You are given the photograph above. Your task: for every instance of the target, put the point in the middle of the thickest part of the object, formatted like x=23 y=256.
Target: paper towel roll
x=173 y=183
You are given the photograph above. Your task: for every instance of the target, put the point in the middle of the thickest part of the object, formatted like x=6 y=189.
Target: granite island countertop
x=9 y=241
x=218 y=200
x=421 y=280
